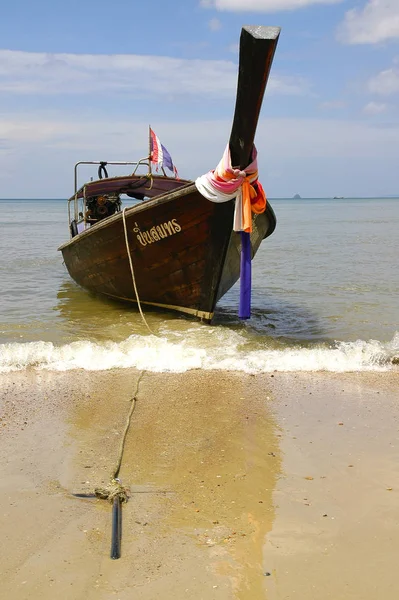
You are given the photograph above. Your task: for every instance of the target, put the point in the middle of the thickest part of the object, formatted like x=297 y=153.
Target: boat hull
x=184 y=253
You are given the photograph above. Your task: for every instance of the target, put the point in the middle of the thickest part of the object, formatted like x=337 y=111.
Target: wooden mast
x=257 y=47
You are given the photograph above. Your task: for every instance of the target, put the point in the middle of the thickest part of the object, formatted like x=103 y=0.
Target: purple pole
x=245 y=277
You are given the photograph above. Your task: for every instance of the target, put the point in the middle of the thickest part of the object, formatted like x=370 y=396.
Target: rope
x=132 y=271
x=114 y=488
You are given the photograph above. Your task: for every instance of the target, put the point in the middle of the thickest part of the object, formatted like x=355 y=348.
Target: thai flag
x=159 y=155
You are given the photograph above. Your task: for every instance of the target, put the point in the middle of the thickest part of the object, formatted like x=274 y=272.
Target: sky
x=82 y=80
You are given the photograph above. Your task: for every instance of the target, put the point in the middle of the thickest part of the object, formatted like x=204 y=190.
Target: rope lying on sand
x=114 y=489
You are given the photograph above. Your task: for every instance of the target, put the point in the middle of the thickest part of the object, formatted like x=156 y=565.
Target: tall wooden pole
x=257 y=47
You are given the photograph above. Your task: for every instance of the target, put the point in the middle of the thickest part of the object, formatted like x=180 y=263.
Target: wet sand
x=242 y=487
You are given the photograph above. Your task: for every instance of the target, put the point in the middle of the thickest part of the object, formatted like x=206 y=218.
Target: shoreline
x=242 y=486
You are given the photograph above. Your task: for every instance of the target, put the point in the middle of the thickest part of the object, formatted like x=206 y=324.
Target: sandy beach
x=276 y=486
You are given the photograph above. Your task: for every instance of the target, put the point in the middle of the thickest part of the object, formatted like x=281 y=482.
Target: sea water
x=325 y=297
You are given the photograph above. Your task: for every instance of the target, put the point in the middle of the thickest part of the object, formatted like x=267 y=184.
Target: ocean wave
x=206 y=349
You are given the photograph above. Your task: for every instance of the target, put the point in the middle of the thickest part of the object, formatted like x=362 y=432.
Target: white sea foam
x=207 y=348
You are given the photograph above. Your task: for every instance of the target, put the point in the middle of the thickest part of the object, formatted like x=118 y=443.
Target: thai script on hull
x=157 y=233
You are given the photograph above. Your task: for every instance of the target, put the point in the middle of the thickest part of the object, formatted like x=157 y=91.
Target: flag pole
x=149 y=150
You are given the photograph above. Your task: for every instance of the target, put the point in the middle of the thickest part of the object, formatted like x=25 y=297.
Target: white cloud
x=374 y=108
x=377 y=22
x=215 y=25
x=289 y=85
x=50 y=74
x=333 y=105
x=328 y=138
x=41 y=73
x=385 y=83
x=49 y=145
x=266 y=6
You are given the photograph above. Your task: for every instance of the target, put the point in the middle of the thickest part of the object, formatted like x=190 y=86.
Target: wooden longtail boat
x=175 y=249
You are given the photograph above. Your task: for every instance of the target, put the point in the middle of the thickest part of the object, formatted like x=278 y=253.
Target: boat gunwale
x=151 y=202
